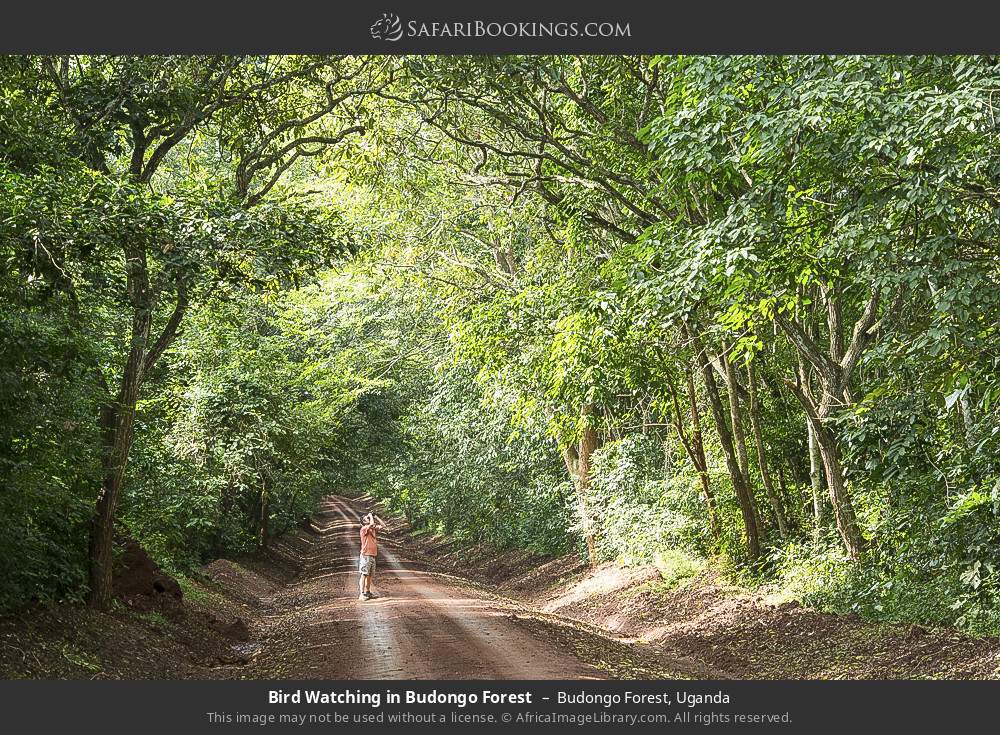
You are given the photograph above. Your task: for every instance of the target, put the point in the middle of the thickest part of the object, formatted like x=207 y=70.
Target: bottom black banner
x=381 y=706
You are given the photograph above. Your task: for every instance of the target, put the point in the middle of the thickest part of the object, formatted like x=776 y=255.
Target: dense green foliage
x=734 y=307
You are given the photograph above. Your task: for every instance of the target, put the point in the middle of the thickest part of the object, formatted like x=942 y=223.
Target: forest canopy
x=646 y=309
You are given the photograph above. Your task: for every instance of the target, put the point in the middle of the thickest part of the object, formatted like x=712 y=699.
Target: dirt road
x=423 y=625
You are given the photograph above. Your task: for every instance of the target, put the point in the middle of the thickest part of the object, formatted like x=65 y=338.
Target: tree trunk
x=698 y=444
x=577 y=459
x=694 y=446
x=262 y=531
x=743 y=496
x=117 y=419
x=118 y=437
x=588 y=444
x=815 y=461
x=765 y=475
x=736 y=417
x=815 y=479
x=787 y=495
x=834 y=371
x=843 y=509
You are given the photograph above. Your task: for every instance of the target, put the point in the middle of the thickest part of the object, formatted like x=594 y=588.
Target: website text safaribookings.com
x=483 y=29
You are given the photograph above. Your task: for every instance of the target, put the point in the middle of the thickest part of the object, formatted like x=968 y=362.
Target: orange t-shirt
x=369 y=541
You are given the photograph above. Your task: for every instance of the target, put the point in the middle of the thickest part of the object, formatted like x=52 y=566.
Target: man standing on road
x=370 y=526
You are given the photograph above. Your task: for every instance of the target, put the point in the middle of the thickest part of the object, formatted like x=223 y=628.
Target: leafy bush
x=922 y=567
x=636 y=513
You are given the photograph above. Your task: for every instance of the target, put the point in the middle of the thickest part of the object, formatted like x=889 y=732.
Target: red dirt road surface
x=423 y=625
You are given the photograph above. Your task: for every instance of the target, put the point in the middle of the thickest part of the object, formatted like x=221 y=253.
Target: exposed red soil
x=134 y=640
x=156 y=628
x=142 y=584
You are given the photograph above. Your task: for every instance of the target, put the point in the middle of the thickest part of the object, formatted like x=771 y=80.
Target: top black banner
x=450 y=27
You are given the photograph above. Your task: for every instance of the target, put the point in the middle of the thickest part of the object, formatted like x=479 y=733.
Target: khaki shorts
x=366 y=564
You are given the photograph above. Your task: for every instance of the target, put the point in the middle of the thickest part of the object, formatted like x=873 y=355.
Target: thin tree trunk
x=765 y=475
x=695 y=448
x=588 y=444
x=787 y=495
x=117 y=444
x=835 y=391
x=118 y=421
x=736 y=417
x=843 y=509
x=577 y=459
x=815 y=460
x=698 y=445
x=743 y=495
x=262 y=529
x=815 y=479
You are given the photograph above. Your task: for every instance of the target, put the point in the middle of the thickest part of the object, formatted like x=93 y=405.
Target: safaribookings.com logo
x=387 y=28
x=390 y=28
